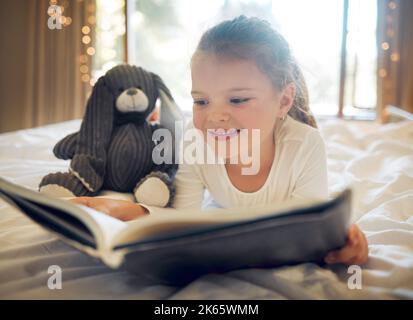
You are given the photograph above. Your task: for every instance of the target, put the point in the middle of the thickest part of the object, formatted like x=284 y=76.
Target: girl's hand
x=354 y=252
x=120 y=209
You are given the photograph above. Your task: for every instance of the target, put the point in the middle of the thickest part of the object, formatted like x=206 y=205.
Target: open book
x=176 y=246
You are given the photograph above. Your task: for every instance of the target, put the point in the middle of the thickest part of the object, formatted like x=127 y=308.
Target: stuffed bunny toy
x=113 y=149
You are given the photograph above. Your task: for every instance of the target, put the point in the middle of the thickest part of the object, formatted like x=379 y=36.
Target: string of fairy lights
x=63 y=20
x=87 y=50
x=389 y=43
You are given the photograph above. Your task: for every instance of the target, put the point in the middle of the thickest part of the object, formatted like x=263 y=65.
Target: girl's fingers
x=341 y=256
x=102 y=208
x=120 y=209
x=81 y=200
x=363 y=248
x=363 y=256
x=351 y=251
x=353 y=235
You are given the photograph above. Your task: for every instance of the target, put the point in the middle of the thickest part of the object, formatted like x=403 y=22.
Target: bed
x=376 y=159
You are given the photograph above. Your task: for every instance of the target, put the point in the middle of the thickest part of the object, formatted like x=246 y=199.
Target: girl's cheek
x=247 y=120
x=198 y=120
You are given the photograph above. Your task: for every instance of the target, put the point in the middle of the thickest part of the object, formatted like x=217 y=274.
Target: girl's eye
x=201 y=102
x=239 y=100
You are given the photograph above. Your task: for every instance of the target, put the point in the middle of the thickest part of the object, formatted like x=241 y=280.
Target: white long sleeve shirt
x=299 y=170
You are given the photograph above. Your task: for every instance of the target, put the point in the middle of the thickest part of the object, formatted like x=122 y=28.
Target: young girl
x=245 y=77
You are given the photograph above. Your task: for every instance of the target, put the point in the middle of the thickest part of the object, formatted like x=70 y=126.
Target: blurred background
x=357 y=55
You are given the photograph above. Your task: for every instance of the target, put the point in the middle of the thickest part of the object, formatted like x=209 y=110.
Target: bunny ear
x=171 y=114
x=89 y=161
x=97 y=124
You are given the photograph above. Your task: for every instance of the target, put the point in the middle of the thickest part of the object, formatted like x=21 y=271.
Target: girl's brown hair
x=253 y=38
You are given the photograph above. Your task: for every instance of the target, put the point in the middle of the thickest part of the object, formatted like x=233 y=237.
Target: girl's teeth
x=223 y=133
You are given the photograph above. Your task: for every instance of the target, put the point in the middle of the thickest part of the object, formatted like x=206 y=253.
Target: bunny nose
x=132 y=91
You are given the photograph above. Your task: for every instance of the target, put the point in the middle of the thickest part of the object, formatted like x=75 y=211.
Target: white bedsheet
x=377 y=160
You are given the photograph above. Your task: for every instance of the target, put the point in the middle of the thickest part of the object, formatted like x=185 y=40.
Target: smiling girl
x=244 y=77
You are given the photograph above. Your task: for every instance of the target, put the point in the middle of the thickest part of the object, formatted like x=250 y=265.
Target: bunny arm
x=89 y=161
x=65 y=148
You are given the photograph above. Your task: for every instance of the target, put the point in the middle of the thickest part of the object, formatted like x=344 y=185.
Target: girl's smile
x=223 y=133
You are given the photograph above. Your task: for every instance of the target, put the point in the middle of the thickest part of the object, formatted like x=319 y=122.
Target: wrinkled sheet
x=376 y=160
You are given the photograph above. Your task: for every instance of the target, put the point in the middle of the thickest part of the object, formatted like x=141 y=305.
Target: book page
x=109 y=227
x=102 y=227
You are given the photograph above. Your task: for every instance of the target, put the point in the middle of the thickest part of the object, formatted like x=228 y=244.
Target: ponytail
x=300 y=109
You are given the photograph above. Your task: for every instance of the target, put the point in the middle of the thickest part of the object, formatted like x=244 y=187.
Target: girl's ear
x=287 y=99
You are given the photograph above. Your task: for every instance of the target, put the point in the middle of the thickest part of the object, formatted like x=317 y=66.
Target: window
x=109 y=33
x=162 y=35
x=361 y=58
x=313 y=29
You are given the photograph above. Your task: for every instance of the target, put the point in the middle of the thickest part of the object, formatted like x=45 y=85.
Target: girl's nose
x=218 y=116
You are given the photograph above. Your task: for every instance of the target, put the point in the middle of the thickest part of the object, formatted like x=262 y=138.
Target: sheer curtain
x=395 y=60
